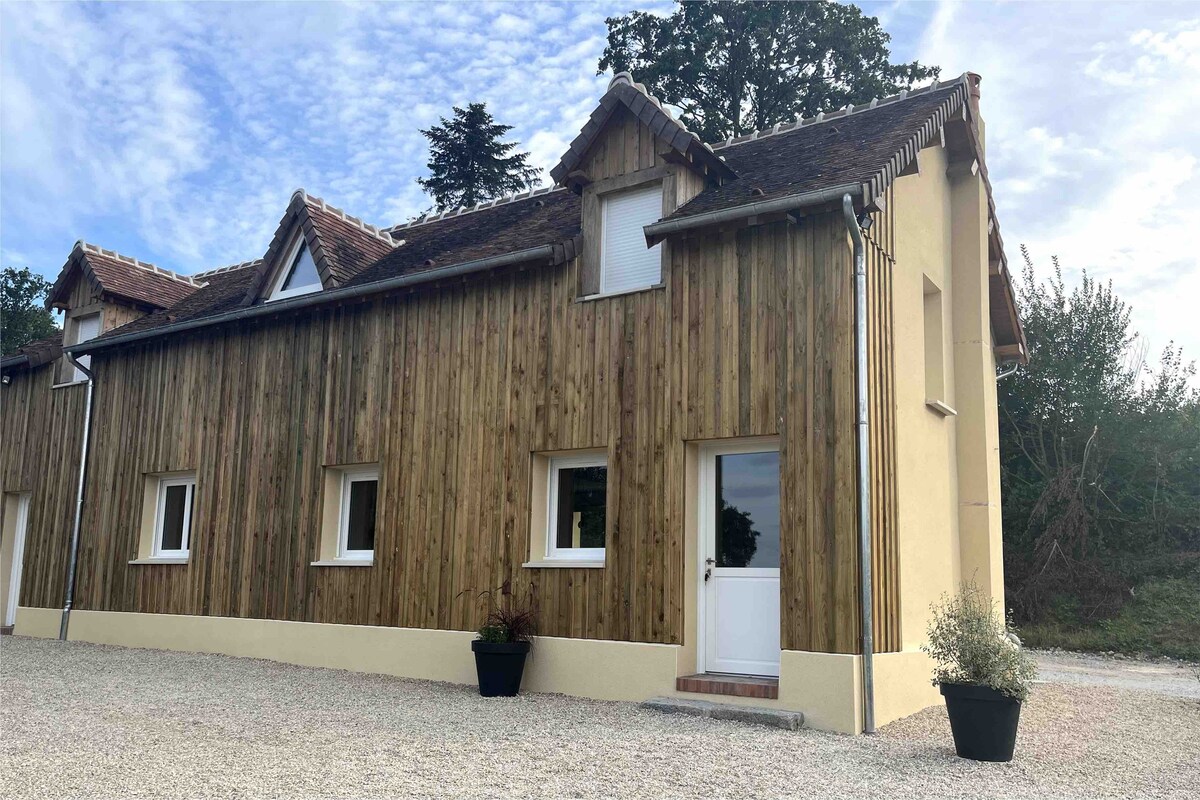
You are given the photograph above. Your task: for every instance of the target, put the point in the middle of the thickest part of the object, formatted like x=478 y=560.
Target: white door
x=12 y=553
x=739 y=529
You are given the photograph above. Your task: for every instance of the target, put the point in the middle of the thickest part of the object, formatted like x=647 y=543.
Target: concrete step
x=751 y=715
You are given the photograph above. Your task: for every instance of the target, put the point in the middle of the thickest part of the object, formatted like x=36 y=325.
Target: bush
x=511 y=623
x=973 y=645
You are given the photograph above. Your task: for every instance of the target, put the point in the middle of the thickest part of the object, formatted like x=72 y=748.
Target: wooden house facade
x=664 y=467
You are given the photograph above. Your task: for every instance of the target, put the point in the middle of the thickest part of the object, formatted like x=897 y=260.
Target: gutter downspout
x=83 y=459
x=864 y=462
x=1016 y=365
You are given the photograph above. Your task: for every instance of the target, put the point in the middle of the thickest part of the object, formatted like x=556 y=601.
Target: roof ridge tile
x=847 y=110
x=231 y=268
x=88 y=247
x=382 y=234
x=524 y=194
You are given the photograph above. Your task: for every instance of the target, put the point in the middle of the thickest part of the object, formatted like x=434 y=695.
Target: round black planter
x=983 y=721
x=499 y=666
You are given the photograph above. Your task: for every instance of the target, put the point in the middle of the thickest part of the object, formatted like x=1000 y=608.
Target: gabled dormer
x=98 y=290
x=632 y=164
x=316 y=247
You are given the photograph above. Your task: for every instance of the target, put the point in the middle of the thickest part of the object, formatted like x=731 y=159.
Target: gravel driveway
x=79 y=719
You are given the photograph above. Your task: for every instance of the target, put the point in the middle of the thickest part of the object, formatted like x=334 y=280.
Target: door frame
x=20 y=525
x=705 y=522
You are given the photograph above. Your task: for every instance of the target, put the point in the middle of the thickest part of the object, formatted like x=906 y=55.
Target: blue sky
x=176 y=133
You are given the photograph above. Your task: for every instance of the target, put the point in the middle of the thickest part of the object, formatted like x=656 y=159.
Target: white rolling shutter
x=625 y=261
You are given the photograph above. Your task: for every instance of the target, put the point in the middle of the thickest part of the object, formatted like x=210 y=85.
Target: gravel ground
x=89 y=720
x=1176 y=678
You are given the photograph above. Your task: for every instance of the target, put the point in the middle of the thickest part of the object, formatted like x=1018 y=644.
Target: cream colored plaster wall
x=927 y=480
x=40 y=623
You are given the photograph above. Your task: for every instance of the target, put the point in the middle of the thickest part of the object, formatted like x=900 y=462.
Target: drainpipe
x=83 y=459
x=864 y=461
x=1015 y=365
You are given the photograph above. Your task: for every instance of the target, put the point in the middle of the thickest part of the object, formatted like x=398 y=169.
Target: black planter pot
x=983 y=721
x=499 y=666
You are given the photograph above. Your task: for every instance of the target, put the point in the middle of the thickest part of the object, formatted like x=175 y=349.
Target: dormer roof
x=685 y=146
x=125 y=278
x=341 y=245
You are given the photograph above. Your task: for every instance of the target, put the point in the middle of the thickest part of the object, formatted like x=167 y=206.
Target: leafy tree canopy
x=1100 y=456
x=736 y=67
x=23 y=318
x=468 y=163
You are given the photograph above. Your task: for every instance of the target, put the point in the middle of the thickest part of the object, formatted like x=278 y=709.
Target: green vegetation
x=23 y=318
x=1163 y=619
x=1100 y=467
x=973 y=646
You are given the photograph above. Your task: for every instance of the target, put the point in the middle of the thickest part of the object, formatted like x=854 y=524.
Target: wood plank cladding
x=40 y=429
x=451 y=390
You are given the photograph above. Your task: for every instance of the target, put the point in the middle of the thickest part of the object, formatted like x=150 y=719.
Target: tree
x=1100 y=456
x=732 y=68
x=23 y=318
x=468 y=163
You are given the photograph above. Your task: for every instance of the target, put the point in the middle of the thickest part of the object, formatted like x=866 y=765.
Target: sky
x=176 y=133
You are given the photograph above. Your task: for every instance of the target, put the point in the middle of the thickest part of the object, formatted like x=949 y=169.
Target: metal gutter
x=658 y=230
x=864 y=462
x=13 y=361
x=320 y=298
x=73 y=558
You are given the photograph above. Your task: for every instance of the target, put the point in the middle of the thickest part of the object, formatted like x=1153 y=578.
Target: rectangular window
x=626 y=264
x=935 y=359
x=86 y=327
x=576 y=516
x=173 y=519
x=356 y=533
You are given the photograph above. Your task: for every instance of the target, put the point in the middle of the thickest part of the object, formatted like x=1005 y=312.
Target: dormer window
x=300 y=276
x=626 y=264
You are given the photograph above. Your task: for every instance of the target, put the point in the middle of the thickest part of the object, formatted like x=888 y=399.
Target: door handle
x=708 y=565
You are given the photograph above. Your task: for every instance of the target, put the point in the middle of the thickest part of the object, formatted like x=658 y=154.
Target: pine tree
x=468 y=163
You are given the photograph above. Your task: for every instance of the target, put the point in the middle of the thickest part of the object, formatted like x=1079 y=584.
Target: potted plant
x=500 y=651
x=982 y=671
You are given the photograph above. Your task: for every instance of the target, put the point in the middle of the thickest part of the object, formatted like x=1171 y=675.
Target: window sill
x=565 y=563
x=344 y=562
x=605 y=295
x=938 y=407
x=163 y=560
x=68 y=383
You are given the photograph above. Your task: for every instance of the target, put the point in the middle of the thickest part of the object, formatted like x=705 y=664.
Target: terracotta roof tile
x=121 y=276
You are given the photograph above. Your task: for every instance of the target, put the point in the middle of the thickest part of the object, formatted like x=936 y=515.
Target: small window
x=356 y=531
x=86 y=327
x=300 y=277
x=626 y=264
x=173 y=520
x=578 y=500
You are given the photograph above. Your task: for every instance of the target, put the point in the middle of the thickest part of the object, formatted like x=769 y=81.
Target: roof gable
x=683 y=146
x=341 y=245
x=122 y=277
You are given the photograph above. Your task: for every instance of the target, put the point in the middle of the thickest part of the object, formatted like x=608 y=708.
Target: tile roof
x=121 y=276
x=850 y=146
x=341 y=245
x=624 y=92
x=36 y=353
x=868 y=144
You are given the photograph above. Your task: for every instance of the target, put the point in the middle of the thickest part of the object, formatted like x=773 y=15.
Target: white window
x=173 y=518
x=356 y=527
x=626 y=264
x=576 y=518
x=86 y=327
x=300 y=275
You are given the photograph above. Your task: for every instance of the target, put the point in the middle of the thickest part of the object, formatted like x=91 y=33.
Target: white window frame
x=157 y=550
x=350 y=477
x=605 y=204
x=553 y=551
x=77 y=374
x=277 y=290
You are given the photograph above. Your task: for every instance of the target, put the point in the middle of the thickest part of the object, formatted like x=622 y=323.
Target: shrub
x=973 y=645
x=510 y=623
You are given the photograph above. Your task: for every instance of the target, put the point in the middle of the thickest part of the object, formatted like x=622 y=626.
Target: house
x=629 y=398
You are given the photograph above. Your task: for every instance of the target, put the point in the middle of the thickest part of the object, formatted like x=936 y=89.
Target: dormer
x=316 y=247
x=98 y=290
x=632 y=164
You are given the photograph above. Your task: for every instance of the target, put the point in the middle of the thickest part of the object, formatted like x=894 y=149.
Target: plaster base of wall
x=826 y=687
